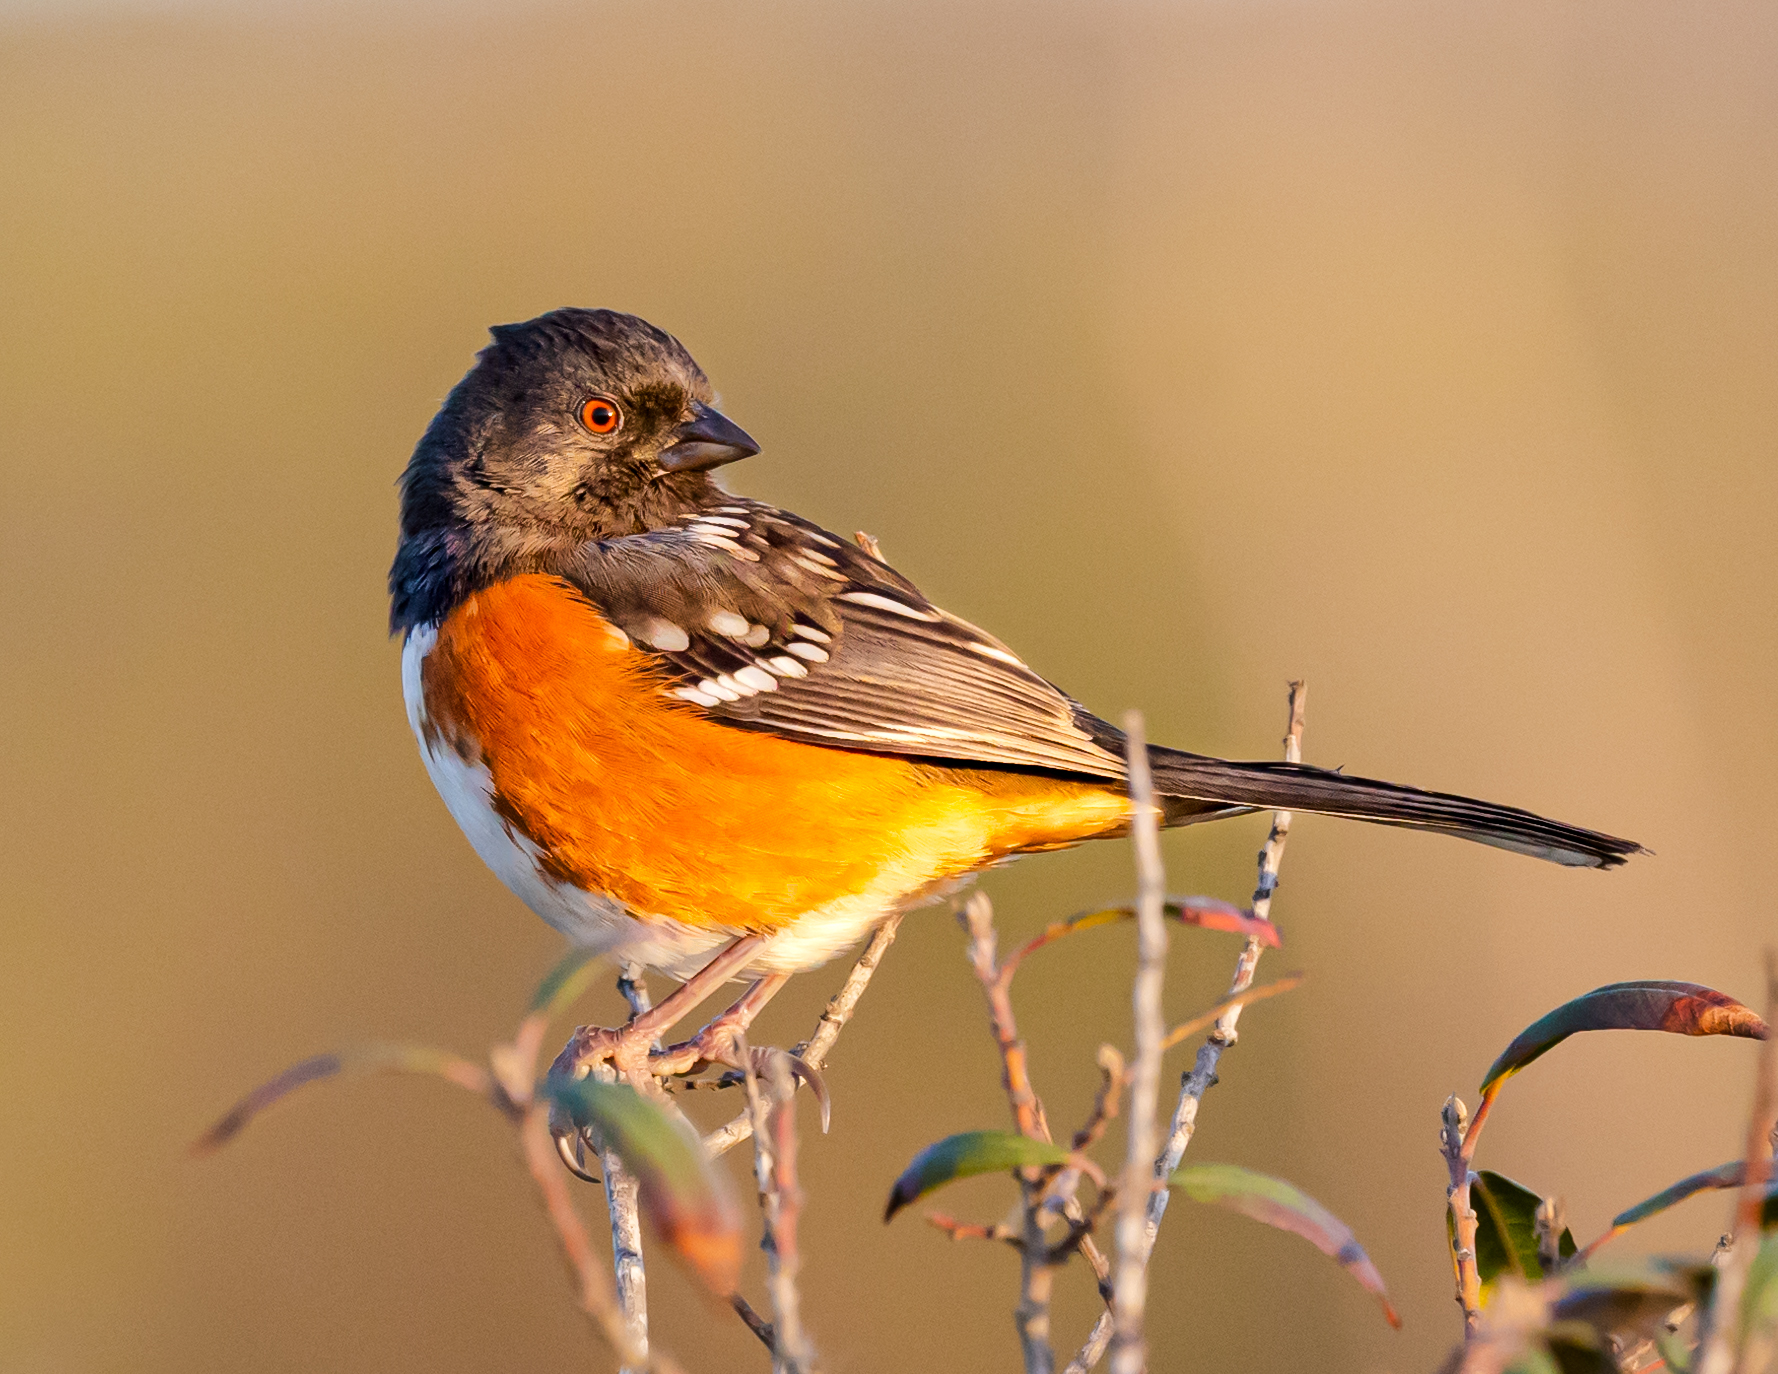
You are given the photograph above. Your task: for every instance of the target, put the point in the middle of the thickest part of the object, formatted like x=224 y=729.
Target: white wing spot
x=756 y=636
x=819 y=557
x=663 y=635
x=883 y=603
x=701 y=698
x=810 y=632
x=1000 y=654
x=808 y=651
x=728 y=623
x=807 y=561
x=710 y=687
x=786 y=667
x=756 y=678
x=725 y=520
x=728 y=683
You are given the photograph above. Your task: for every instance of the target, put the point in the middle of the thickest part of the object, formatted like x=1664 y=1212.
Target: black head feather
x=507 y=476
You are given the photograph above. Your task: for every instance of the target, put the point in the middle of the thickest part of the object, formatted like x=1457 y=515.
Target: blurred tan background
x=1428 y=351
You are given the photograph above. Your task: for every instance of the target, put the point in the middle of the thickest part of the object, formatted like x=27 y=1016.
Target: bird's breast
x=618 y=812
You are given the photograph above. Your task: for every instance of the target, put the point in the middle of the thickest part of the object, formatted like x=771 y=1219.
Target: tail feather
x=1222 y=785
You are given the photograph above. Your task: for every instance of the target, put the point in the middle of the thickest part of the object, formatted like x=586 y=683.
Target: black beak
x=707 y=440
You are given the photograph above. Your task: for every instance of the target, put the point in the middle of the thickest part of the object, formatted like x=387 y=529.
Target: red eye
x=601 y=415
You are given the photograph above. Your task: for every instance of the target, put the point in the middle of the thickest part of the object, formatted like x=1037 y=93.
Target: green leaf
x=565 y=982
x=961 y=1156
x=1287 y=1207
x=1722 y=1176
x=682 y=1194
x=1577 y=1356
x=1534 y=1359
x=374 y=1057
x=1759 y=1300
x=1678 y=1008
x=1506 y=1229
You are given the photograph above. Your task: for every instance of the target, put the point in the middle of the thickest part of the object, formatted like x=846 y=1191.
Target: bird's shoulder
x=765 y=620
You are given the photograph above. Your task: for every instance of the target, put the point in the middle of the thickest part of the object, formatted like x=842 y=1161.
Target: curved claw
x=569 y=1148
x=808 y=1073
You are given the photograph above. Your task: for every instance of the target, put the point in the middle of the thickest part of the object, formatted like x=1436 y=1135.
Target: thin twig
x=1059 y=1194
x=977 y=917
x=1453 y=1133
x=1721 y=1351
x=817 y=1047
x=597 y=1298
x=1031 y=1317
x=975 y=1230
x=1129 y=1280
x=793 y=1337
x=1203 y=1071
x=1233 y=1002
x=622 y=1198
x=1081 y=1227
x=757 y=1324
x=774 y=1162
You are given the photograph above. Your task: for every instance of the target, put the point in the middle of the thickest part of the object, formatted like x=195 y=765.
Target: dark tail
x=1218 y=786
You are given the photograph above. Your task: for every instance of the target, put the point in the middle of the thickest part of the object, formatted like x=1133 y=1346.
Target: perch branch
x=622 y=1199
x=1203 y=1072
x=818 y=1046
x=597 y=1299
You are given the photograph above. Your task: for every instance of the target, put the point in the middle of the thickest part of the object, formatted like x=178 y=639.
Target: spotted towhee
x=667 y=716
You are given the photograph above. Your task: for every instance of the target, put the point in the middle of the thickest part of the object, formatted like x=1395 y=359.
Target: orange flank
x=636 y=796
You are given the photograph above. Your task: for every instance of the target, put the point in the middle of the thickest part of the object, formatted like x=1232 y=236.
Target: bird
x=701 y=734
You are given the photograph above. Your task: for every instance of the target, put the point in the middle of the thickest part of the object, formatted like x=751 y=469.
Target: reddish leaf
x=1205 y=912
x=961 y=1156
x=1679 y=1008
x=682 y=1194
x=1287 y=1207
x=369 y=1058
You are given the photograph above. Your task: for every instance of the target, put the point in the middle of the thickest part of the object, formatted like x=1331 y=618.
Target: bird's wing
x=767 y=622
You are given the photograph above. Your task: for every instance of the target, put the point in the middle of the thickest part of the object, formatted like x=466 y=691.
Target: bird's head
x=577 y=425
x=574 y=426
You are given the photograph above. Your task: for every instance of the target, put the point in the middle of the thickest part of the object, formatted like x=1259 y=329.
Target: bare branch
x=597 y=1298
x=975 y=1230
x=757 y=1324
x=1451 y=1137
x=622 y=1198
x=780 y=1200
x=1233 y=1002
x=1129 y=1349
x=1203 y=1072
x=1036 y=1275
x=977 y=917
